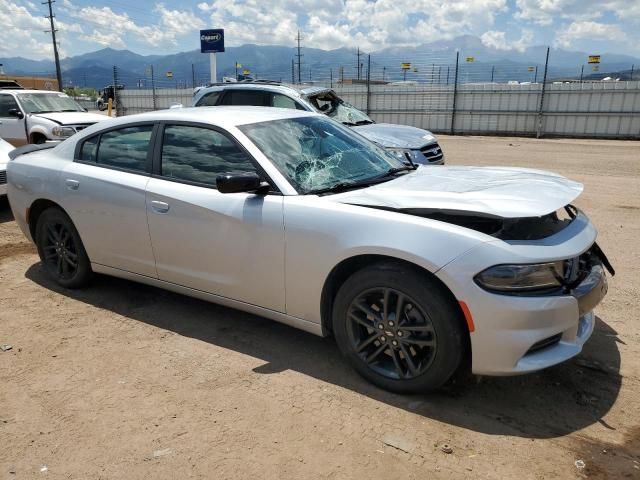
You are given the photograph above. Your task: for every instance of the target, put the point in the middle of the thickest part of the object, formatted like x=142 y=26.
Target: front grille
x=545 y=343
x=3 y=177
x=432 y=152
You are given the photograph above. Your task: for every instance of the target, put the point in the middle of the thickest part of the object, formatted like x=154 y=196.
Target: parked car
x=289 y=215
x=5 y=148
x=407 y=143
x=36 y=116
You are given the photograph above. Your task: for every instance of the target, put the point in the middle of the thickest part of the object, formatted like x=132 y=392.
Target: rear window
x=246 y=97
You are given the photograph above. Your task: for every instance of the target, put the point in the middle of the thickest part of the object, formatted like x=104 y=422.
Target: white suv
x=407 y=143
x=36 y=116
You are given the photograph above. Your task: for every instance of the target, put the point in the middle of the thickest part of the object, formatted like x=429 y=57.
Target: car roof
x=300 y=89
x=223 y=116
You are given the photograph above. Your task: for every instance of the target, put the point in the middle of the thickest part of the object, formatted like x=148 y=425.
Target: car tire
x=421 y=323
x=61 y=250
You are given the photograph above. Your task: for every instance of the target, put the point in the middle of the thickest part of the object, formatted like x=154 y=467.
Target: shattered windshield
x=333 y=106
x=316 y=153
x=49 y=102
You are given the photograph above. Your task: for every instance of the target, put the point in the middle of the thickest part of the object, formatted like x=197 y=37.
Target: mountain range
x=429 y=61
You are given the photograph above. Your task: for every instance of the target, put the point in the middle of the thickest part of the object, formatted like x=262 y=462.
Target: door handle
x=159 y=207
x=72 y=184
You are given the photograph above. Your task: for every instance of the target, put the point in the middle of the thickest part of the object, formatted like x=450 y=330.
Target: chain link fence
x=441 y=94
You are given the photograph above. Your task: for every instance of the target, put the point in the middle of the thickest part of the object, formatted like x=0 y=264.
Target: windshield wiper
x=343 y=186
x=74 y=110
x=363 y=122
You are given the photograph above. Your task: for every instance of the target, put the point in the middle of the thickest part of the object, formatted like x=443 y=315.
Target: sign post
x=212 y=42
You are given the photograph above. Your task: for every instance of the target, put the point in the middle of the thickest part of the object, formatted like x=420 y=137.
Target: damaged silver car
x=405 y=142
x=286 y=214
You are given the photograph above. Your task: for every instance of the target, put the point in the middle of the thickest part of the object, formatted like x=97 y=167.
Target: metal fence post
x=544 y=88
x=368 y=81
x=153 y=88
x=455 y=94
x=115 y=92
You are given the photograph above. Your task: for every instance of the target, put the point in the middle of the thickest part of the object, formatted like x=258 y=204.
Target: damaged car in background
x=405 y=142
x=417 y=272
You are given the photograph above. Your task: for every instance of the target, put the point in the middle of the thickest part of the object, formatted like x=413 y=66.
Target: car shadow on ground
x=548 y=404
x=5 y=211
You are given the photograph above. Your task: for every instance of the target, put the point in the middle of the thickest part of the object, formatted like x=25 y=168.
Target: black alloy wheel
x=399 y=327
x=391 y=333
x=61 y=250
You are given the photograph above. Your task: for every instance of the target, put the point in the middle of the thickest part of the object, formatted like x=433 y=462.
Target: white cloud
x=498 y=40
x=590 y=30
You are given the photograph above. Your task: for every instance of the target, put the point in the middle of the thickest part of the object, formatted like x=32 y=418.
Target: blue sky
x=170 y=26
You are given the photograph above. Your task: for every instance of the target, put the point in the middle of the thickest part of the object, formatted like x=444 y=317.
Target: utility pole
x=193 y=76
x=293 y=71
x=581 y=73
x=493 y=71
x=55 y=44
x=299 y=55
x=358 y=54
x=535 y=78
x=631 y=76
x=384 y=71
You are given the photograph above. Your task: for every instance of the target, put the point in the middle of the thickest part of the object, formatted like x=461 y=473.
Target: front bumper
x=520 y=334
x=3 y=182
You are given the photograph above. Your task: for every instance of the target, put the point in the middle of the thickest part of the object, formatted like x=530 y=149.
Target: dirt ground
x=126 y=381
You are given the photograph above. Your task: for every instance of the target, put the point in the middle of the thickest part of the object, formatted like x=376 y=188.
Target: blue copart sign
x=212 y=40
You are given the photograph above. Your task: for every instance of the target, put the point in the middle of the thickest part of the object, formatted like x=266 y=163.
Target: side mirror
x=239 y=182
x=14 y=112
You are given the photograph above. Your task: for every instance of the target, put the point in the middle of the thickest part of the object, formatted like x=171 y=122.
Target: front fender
x=320 y=234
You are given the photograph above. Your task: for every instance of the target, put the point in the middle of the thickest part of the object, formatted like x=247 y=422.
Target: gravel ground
x=126 y=381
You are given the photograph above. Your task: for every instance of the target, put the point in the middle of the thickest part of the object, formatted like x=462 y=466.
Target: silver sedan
x=416 y=271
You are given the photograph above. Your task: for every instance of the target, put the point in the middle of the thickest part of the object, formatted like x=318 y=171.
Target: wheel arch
x=349 y=266
x=35 y=210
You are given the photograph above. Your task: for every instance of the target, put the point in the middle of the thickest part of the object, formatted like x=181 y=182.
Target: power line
x=55 y=44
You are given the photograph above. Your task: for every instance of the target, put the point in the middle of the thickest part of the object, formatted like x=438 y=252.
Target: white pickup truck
x=37 y=116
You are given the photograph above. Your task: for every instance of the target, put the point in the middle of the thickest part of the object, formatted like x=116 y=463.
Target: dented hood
x=389 y=135
x=496 y=191
x=71 y=118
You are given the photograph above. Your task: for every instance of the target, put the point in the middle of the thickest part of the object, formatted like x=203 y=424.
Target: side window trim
x=150 y=150
x=157 y=157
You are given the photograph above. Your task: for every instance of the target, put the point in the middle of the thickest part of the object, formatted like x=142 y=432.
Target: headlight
x=522 y=278
x=402 y=153
x=63 y=131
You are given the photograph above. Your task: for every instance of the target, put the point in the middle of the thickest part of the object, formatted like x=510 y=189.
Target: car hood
x=389 y=135
x=495 y=191
x=72 y=118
